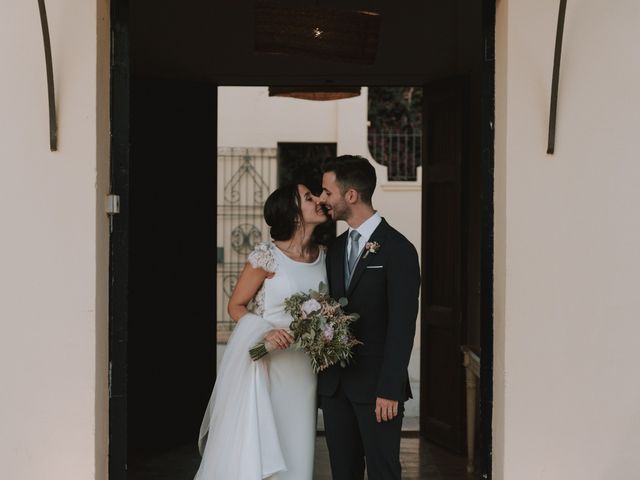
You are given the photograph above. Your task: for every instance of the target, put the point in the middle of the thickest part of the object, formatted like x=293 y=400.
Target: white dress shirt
x=365 y=230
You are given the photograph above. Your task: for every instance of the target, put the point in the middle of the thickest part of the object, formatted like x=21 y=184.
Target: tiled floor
x=420 y=460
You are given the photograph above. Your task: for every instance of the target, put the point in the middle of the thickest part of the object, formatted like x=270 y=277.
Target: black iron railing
x=400 y=151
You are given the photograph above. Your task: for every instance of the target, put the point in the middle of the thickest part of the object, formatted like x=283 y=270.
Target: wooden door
x=442 y=388
x=171 y=339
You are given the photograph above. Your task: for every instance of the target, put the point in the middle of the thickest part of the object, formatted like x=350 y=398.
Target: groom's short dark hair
x=353 y=171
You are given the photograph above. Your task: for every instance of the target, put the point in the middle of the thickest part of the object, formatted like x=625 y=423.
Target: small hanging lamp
x=330 y=34
x=315 y=93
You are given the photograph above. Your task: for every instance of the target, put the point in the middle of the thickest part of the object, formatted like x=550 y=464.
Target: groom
x=376 y=269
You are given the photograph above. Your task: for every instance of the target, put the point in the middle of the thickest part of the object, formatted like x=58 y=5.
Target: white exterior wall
x=53 y=247
x=567 y=401
x=567 y=256
x=248 y=117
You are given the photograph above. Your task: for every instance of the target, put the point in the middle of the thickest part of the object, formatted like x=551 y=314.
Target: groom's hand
x=386 y=409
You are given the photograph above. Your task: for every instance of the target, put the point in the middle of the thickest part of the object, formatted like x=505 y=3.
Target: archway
x=166 y=192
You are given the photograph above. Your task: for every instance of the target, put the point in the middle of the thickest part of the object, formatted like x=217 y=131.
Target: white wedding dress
x=261 y=418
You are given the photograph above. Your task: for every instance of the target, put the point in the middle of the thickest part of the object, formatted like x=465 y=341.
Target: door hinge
x=113 y=204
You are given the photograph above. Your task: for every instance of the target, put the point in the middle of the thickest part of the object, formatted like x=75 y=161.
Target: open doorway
x=262 y=144
x=171 y=240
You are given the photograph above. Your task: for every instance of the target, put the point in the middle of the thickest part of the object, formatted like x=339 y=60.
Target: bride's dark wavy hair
x=282 y=212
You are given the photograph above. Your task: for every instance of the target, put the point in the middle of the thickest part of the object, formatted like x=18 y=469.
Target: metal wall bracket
x=112 y=207
x=53 y=123
x=112 y=204
x=556 y=78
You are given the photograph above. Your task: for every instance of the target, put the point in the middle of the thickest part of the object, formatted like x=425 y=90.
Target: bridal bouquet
x=320 y=328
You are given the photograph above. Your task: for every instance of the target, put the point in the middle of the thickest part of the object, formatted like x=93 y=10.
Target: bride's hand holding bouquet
x=320 y=328
x=278 y=338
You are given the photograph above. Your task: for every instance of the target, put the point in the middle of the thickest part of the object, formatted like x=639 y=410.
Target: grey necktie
x=355 y=250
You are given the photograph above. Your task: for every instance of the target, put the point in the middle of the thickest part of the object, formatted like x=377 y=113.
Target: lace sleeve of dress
x=262 y=257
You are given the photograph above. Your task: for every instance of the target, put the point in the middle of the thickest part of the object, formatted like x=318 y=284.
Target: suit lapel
x=337 y=266
x=377 y=236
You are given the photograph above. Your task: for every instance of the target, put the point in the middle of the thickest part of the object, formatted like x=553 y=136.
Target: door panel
x=442 y=389
x=171 y=329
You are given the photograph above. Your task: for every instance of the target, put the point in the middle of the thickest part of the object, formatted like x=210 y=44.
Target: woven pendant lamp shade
x=315 y=93
x=348 y=36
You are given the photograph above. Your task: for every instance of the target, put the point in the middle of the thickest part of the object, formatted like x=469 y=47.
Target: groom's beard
x=340 y=212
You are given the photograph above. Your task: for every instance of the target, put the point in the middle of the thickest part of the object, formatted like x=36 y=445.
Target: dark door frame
x=486 y=235
x=119 y=238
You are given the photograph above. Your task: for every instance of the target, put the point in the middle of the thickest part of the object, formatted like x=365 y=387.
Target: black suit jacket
x=384 y=291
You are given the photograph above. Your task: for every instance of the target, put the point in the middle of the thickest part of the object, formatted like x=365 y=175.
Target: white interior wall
x=248 y=117
x=567 y=402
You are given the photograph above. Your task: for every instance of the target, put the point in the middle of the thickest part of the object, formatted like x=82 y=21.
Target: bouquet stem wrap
x=261 y=349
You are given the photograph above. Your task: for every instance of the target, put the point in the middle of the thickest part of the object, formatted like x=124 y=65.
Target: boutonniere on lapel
x=371 y=247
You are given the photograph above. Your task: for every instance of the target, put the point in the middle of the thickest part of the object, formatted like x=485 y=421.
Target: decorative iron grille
x=246 y=176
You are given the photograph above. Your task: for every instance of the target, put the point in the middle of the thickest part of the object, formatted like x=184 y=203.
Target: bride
x=261 y=418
